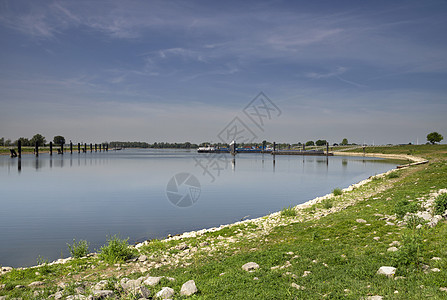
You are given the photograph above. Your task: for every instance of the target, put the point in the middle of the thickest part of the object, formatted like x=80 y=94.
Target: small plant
x=404 y=206
x=441 y=204
x=393 y=175
x=117 y=250
x=327 y=204
x=288 y=211
x=413 y=221
x=337 y=192
x=79 y=249
x=410 y=251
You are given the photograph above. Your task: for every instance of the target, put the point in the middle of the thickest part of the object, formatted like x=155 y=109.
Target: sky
x=373 y=72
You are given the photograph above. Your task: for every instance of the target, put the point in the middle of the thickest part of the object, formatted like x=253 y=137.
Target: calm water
x=52 y=200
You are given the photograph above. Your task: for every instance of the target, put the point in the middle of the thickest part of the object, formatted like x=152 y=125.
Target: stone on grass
x=392 y=249
x=102 y=294
x=297 y=286
x=435 y=270
x=165 y=293
x=35 y=283
x=250 y=266
x=443 y=289
x=360 y=221
x=387 y=271
x=100 y=285
x=436 y=258
x=188 y=288
x=152 y=281
x=374 y=298
x=142 y=258
x=306 y=273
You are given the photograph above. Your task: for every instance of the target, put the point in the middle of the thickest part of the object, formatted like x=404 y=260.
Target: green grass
x=342 y=255
x=441 y=204
x=117 y=250
x=337 y=192
x=78 y=249
x=288 y=212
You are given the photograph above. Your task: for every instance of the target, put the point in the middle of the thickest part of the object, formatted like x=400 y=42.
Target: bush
x=441 y=204
x=327 y=204
x=79 y=249
x=337 y=192
x=393 y=175
x=288 y=211
x=404 y=206
x=410 y=251
x=117 y=250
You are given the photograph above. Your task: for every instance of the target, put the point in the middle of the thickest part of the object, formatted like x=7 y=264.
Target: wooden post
x=91 y=147
x=364 y=150
x=71 y=147
x=327 y=149
x=79 y=147
x=19 y=148
x=107 y=147
x=99 y=147
x=19 y=165
x=304 y=147
x=62 y=148
x=85 y=147
x=36 y=149
x=274 y=147
x=96 y=147
x=51 y=148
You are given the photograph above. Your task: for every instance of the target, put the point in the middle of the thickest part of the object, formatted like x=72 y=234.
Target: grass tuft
x=441 y=204
x=117 y=250
x=337 y=192
x=78 y=249
x=288 y=211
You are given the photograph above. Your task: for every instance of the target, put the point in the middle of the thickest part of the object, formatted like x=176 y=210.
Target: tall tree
x=321 y=142
x=344 y=142
x=40 y=139
x=310 y=143
x=2 y=141
x=434 y=137
x=58 y=139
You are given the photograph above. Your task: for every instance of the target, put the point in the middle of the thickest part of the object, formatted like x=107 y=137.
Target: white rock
x=102 y=294
x=35 y=283
x=297 y=286
x=444 y=289
x=436 y=258
x=250 y=266
x=306 y=273
x=142 y=258
x=374 y=298
x=435 y=270
x=392 y=249
x=188 y=288
x=388 y=271
x=100 y=285
x=165 y=293
x=360 y=221
x=152 y=281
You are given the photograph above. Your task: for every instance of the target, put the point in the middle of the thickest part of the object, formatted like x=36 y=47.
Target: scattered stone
x=142 y=258
x=444 y=289
x=58 y=295
x=376 y=238
x=360 y=221
x=36 y=283
x=297 y=286
x=389 y=224
x=395 y=243
x=250 y=266
x=436 y=258
x=144 y=292
x=152 y=281
x=392 y=249
x=374 y=298
x=79 y=290
x=435 y=270
x=222 y=274
x=165 y=293
x=100 y=285
x=256 y=278
x=76 y=297
x=2 y=286
x=188 y=288
x=387 y=271
x=19 y=287
x=181 y=247
x=306 y=273
x=103 y=294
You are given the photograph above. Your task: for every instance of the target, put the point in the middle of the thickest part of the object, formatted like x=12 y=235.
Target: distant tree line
x=157 y=145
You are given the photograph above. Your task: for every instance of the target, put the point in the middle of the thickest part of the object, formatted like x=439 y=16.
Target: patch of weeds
x=117 y=250
x=45 y=268
x=410 y=251
x=393 y=175
x=327 y=204
x=413 y=221
x=404 y=206
x=441 y=204
x=288 y=211
x=78 y=249
x=337 y=192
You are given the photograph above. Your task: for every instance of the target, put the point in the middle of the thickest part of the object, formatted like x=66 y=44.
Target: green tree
x=434 y=137
x=321 y=142
x=344 y=142
x=310 y=143
x=23 y=141
x=2 y=141
x=8 y=143
x=40 y=139
x=58 y=139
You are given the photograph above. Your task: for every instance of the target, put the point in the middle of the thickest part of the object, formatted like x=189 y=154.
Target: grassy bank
x=328 y=249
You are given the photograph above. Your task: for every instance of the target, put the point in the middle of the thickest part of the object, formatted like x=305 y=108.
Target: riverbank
x=329 y=247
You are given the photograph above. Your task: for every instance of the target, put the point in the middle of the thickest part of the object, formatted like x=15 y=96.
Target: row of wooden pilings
x=60 y=150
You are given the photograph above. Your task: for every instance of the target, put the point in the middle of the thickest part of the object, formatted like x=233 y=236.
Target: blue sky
x=93 y=71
